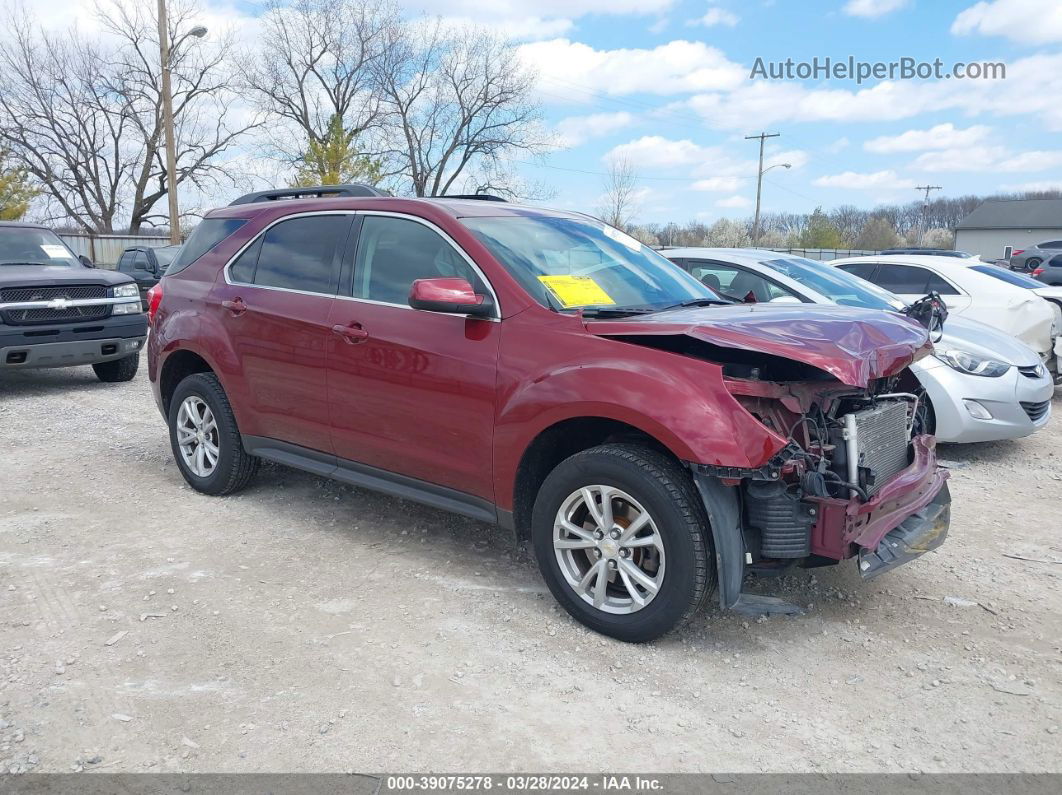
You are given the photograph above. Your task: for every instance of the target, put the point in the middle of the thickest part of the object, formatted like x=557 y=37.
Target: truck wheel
x=621 y=539
x=204 y=437
x=117 y=370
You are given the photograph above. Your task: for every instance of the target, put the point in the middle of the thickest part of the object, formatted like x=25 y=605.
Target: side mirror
x=455 y=296
x=85 y=261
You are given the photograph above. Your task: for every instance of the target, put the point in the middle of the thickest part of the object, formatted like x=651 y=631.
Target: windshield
x=1010 y=277
x=28 y=245
x=569 y=264
x=165 y=255
x=834 y=283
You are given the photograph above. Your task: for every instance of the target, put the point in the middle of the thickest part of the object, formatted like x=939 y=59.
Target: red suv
x=543 y=371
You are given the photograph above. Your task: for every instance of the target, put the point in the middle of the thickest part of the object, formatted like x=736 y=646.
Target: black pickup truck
x=57 y=310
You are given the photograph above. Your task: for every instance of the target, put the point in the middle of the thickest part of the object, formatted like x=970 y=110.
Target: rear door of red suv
x=412 y=391
x=274 y=304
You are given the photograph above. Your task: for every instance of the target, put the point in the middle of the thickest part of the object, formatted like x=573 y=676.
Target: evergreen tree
x=336 y=160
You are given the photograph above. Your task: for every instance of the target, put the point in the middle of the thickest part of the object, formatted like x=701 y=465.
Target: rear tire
x=200 y=418
x=671 y=554
x=118 y=370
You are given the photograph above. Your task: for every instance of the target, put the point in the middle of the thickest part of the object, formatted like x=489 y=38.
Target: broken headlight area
x=856 y=464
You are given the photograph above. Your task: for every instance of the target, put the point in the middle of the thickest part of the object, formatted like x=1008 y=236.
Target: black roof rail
x=313 y=191
x=483 y=197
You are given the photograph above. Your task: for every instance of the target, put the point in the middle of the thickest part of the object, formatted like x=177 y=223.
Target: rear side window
x=864 y=270
x=125 y=264
x=1050 y=244
x=141 y=261
x=207 y=235
x=301 y=254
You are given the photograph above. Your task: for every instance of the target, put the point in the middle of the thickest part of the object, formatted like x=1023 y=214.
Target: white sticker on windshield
x=54 y=251
x=623 y=237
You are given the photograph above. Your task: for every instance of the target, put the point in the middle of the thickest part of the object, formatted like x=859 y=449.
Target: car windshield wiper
x=698 y=302
x=616 y=311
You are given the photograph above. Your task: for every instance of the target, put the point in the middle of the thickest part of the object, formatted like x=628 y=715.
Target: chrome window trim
x=495 y=317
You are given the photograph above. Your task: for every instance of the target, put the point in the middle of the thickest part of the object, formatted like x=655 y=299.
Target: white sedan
x=983 y=385
x=968 y=293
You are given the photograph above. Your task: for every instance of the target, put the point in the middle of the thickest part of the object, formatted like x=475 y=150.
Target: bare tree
x=83 y=119
x=315 y=64
x=456 y=100
x=620 y=197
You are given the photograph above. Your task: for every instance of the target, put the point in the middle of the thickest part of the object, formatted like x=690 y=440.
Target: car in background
x=56 y=310
x=935 y=252
x=146 y=264
x=967 y=293
x=1050 y=272
x=1051 y=293
x=982 y=384
x=1028 y=259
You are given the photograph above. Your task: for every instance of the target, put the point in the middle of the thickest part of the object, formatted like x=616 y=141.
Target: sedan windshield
x=834 y=283
x=28 y=245
x=570 y=264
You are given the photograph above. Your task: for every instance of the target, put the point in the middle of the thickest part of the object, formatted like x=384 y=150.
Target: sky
x=666 y=84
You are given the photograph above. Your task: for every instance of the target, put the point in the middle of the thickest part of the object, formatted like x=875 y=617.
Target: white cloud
x=941 y=136
x=872 y=9
x=734 y=202
x=1025 y=21
x=852 y=180
x=516 y=28
x=717 y=16
x=838 y=145
x=1024 y=187
x=576 y=130
x=572 y=69
x=722 y=184
x=987 y=158
x=655 y=151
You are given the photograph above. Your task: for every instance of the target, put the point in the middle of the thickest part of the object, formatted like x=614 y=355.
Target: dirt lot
x=308 y=626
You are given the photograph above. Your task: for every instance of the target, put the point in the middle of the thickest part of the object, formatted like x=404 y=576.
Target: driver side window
x=733 y=282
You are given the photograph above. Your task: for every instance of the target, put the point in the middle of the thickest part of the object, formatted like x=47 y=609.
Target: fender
x=678 y=400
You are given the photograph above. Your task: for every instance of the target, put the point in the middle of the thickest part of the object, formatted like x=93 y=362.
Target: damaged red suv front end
x=845 y=469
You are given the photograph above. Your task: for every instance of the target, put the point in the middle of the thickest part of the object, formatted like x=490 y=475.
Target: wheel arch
x=180 y=364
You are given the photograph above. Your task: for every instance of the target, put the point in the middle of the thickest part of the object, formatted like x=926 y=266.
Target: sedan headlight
x=970 y=364
x=126 y=291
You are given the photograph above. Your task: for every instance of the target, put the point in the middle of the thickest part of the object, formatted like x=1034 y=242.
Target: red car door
x=412 y=392
x=275 y=305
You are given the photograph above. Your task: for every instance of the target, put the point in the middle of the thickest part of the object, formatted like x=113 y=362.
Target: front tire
x=205 y=439
x=621 y=538
x=117 y=370
x=1032 y=263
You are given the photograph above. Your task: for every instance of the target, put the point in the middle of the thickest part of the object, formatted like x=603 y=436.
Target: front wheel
x=117 y=370
x=1032 y=263
x=621 y=539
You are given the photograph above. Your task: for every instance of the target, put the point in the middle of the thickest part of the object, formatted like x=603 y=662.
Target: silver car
x=982 y=384
x=1027 y=259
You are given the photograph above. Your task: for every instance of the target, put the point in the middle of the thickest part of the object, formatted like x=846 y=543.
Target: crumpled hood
x=854 y=345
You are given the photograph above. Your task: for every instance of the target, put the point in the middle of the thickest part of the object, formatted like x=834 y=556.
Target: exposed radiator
x=880 y=440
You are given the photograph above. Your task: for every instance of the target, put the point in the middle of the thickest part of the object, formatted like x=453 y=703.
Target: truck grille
x=882 y=441
x=23 y=317
x=1036 y=411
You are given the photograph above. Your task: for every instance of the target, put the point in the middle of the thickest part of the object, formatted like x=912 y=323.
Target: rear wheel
x=204 y=437
x=118 y=370
x=620 y=537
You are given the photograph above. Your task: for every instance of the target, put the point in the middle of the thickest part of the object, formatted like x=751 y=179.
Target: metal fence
x=825 y=254
x=104 y=250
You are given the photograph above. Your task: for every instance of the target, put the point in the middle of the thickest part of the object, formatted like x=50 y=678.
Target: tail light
x=1037 y=272
x=154 y=297
x=1017 y=251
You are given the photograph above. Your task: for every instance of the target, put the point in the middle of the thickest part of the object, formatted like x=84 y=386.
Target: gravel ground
x=307 y=626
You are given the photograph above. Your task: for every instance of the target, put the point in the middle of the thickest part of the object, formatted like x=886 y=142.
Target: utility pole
x=925 y=208
x=759 y=181
x=167 y=123
x=167 y=117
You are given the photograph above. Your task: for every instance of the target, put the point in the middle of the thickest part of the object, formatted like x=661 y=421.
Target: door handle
x=236 y=306
x=351 y=334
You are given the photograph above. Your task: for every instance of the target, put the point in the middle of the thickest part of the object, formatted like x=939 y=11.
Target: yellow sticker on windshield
x=576 y=291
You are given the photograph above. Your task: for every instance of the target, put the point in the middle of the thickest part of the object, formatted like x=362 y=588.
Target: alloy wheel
x=197 y=436
x=609 y=549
